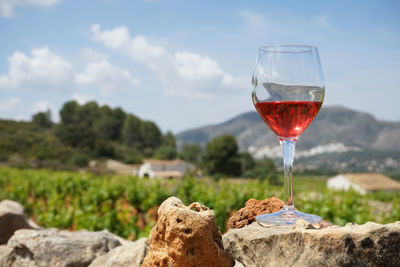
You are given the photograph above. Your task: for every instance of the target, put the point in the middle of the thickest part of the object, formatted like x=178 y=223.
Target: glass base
x=287 y=217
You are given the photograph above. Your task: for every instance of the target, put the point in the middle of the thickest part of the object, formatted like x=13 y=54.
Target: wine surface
x=288 y=118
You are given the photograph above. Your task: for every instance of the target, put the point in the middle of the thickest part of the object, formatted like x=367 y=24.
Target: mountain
x=335 y=130
x=333 y=124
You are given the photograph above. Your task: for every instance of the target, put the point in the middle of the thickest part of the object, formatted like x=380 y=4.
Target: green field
x=127 y=205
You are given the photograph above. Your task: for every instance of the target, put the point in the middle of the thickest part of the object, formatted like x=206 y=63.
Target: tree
x=76 y=126
x=264 y=169
x=119 y=118
x=151 y=137
x=109 y=122
x=221 y=156
x=42 y=119
x=247 y=162
x=190 y=152
x=167 y=150
x=169 y=140
x=131 y=130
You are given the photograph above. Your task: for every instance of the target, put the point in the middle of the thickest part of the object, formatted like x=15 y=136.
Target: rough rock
x=185 y=236
x=4 y=251
x=56 y=248
x=252 y=208
x=129 y=254
x=370 y=244
x=12 y=218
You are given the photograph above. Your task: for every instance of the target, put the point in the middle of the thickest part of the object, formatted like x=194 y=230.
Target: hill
x=85 y=132
x=337 y=131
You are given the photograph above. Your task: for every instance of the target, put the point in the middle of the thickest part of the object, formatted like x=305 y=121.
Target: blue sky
x=184 y=64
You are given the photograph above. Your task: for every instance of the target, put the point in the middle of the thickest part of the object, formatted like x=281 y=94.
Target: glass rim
x=288 y=48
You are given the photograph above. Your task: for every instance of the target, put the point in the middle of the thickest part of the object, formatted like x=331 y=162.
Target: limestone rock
x=253 y=207
x=57 y=248
x=128 y=254
x=12 y=218
x=185 y=236
x=4 y=251
x=370 y=244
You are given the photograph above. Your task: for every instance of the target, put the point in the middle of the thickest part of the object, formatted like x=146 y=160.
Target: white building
x=164 y=168
x=363 y=182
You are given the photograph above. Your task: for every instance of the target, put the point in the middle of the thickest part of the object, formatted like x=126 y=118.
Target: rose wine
x=288 y=118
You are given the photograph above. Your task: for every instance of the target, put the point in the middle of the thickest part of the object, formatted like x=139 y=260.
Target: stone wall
x=187 y=236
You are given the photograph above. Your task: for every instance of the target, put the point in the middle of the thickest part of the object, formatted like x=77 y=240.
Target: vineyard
x=127 y=205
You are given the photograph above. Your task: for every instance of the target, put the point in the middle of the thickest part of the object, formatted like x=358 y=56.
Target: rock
x=129 y=254
x=12 y=218
x=185 y=236
x=302 y=224
x=52 y=247
x=253 y=207
x=370 y=244
x=4 y=251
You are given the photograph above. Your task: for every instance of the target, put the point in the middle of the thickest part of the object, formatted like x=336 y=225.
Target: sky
x=186 y=64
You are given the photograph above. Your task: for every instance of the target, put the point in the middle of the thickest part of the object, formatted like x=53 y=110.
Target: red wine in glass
x=288 y=91
x=288 y=118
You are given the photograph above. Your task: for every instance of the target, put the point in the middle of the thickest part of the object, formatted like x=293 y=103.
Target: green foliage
x=151 y=136
x=79 y=160
x=222 y=157
x=42 y=119
x=89 y=129
x=247 y=162
x=30 y=142
x=131 y=130
x=76 y=127
x=167 y=150
x=129 y=155
x=103 y=148
x=190 y=152
x=264 y=170
x=118 y=203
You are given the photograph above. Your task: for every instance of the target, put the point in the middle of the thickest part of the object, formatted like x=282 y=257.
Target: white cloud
x=42 y=105
x=181 y=73
x=45 y=70
x=254 y=20
x=107 y=77
x=89 y=55
x=13 y=108
x=8 y=106
x=7 y=6
x=82 y=98
x=42 y=69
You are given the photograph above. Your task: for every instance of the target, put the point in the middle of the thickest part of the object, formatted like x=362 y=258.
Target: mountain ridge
x=333 y=124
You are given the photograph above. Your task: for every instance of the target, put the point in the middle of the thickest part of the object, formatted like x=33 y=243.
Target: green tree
x=221 y=156
x=168 y=148
x=76 y=126
x=103 y=148
x=119 y=117
x=264 y=170
x=151 y=137
x=109 y=122
x=247 y=162
x=190 y=152
x=169 y=140
x=131 y=130
x=129 y=155
x=42 y=119
x=103 y=124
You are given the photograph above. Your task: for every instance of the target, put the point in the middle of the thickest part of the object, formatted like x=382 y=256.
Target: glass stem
x=288 y=148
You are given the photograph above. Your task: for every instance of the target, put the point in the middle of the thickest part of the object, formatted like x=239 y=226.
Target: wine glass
x=288 y=90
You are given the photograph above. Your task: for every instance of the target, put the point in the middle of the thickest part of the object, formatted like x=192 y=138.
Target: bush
x=79 y=160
